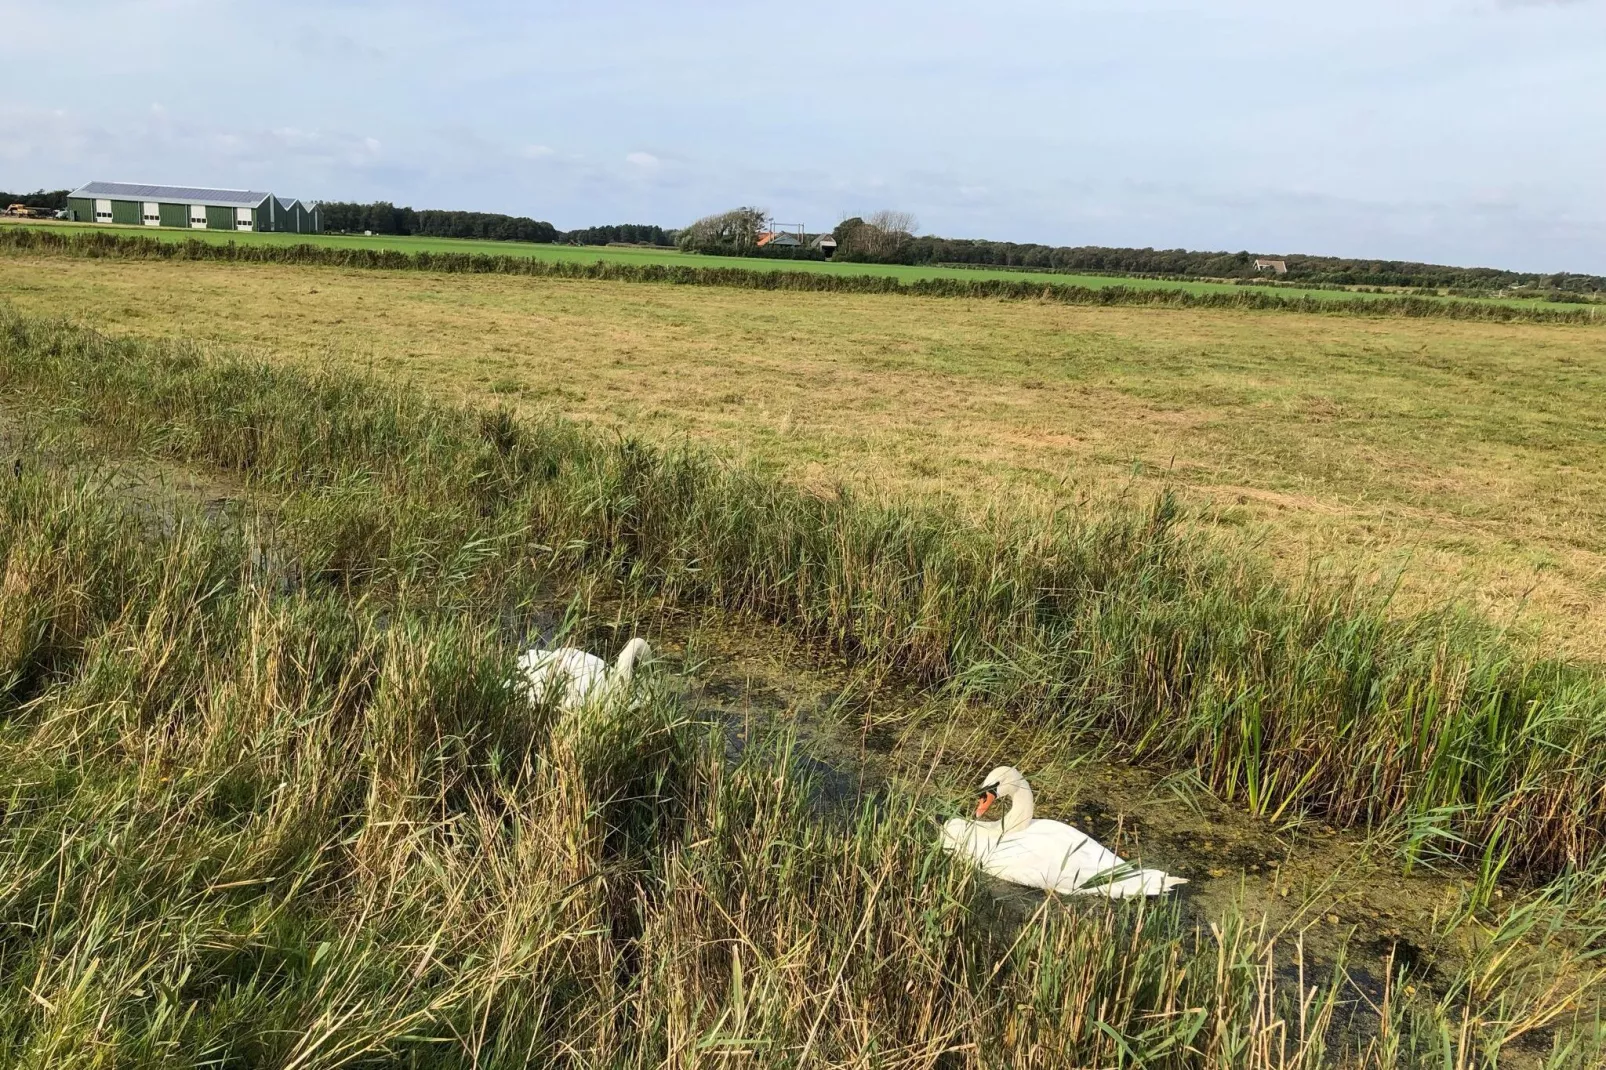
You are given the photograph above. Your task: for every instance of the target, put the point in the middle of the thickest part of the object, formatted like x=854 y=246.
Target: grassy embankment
x=1464 y=453
x=250 y=823
x=668 y=265
x=272 y=804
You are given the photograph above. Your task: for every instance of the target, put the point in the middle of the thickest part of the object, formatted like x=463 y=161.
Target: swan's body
x=1045 y=854
x=573 y=678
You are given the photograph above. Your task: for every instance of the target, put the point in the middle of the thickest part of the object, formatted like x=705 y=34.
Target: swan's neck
x=626 y=666
x=1020 y=807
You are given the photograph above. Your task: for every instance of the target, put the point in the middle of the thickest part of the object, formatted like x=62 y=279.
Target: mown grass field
x=1465 y=453
x=624 y=255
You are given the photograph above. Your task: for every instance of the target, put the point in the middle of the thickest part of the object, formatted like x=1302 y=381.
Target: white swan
x=573 y=678
x=1044 y=854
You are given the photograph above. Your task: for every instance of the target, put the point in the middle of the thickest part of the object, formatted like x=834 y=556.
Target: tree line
x=55 y=199
x=382 y=217
x=1183 y=263
x=863 y=240
x=627 y=233
x=888 y=237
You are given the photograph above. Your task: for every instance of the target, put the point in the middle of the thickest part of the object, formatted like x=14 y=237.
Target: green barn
x=191 y=207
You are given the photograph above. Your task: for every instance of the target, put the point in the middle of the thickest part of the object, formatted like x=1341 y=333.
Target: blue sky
x=1460 y=131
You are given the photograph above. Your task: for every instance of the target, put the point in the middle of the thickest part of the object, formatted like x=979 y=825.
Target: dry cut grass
x=1470 y=454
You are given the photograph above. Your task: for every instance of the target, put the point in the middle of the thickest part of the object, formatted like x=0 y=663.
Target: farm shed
x=194 y=207
x=297 y=218
x=1276 y=267
x=825 y=243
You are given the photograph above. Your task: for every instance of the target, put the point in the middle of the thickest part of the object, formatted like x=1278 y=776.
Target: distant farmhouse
x=793 y=236
x=779 y=239
x=1276 y=267
x=188 y=206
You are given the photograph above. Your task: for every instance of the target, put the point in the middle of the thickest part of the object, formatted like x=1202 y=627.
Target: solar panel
x=134 y=191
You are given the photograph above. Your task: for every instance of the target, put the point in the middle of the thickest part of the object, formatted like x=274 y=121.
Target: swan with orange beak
x=1041 y=853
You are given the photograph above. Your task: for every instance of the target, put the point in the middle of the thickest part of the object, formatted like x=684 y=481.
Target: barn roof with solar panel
x=222 y=198
x=191 y=207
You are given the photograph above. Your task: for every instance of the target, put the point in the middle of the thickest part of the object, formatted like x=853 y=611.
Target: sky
x=1468 y=132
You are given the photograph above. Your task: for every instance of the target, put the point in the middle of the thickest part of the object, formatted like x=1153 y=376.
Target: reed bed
x=260 y=814
x=138 y=247
x=1117 y=630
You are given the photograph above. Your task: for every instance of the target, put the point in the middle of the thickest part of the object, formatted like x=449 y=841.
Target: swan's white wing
x=1090 y=868
x=1048 y=855
x=1007 y=857
x=565 y=675
x=1055 y=857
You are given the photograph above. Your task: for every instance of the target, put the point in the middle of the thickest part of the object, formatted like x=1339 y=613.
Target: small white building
x=1276 y=267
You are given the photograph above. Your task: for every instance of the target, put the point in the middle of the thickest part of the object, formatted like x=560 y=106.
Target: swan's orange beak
x=987 y=800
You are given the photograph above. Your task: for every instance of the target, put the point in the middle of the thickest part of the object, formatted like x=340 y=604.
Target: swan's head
x=1005 y=782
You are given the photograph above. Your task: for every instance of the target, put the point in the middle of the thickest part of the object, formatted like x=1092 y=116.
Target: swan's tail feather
x=1143 y=882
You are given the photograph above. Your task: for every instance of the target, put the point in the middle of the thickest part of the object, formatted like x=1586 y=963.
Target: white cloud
x=536 y=152
x=643 y=159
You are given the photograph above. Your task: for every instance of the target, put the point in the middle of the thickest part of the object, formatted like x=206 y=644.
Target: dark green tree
x=735 y=231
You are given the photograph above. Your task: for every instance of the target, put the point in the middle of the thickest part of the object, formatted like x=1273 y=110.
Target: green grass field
x=618 y=254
